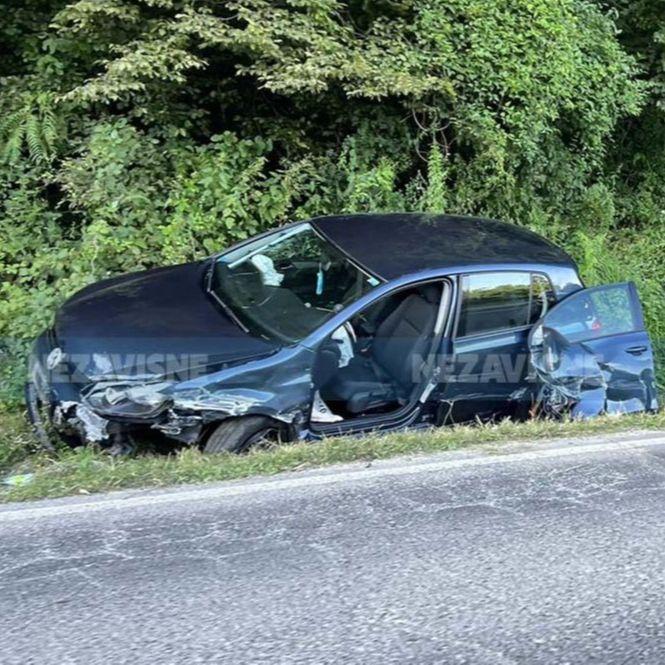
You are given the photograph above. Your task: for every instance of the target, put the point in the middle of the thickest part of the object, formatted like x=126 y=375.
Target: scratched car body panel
x=341 y=325
x=593 y=355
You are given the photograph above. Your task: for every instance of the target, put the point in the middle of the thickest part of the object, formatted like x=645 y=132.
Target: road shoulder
x=480 y=455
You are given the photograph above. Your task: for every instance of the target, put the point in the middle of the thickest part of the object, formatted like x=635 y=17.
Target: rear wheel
x=237 y=435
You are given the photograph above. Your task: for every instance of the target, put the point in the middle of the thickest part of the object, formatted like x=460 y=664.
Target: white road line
x=325 y=476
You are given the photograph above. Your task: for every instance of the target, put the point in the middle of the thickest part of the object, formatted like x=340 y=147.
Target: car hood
x=152 y=323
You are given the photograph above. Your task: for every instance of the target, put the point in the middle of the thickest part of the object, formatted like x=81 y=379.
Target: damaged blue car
x=341 y=325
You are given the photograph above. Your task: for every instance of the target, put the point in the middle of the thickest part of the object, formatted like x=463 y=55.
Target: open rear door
x=591 y=354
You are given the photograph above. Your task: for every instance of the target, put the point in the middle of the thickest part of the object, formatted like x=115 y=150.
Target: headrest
x=431 y=293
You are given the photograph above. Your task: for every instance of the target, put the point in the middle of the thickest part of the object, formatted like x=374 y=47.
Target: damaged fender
x=181 y=410
x=284 y=394
x=591 y=355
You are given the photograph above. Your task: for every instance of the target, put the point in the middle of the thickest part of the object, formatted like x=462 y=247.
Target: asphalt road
x=553 y=556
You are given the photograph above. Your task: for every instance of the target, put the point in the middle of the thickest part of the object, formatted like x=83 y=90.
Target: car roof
x=398 y=244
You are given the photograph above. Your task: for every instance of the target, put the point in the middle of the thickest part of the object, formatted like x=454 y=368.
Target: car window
x=494 y=301
x=594 y=313
x=502 y=300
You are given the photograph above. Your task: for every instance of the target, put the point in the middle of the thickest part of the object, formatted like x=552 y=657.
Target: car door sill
x=401 y=418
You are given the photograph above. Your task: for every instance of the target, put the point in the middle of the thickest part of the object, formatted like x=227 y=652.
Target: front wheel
x=237 y=435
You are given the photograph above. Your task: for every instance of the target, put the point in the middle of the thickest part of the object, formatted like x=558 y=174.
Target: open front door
x=591 y=354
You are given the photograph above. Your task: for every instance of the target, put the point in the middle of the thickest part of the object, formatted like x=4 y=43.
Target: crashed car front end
x=83 y=404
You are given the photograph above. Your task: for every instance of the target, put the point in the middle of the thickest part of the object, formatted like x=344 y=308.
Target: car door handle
x=636 y=350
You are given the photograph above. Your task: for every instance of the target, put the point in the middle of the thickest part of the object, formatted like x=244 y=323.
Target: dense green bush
x=139 y=132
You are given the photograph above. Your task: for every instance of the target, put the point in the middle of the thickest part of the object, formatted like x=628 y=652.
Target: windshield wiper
x=230 y=312
x=227 y=309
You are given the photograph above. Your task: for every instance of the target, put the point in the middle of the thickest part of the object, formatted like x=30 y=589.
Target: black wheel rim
x=267 y=437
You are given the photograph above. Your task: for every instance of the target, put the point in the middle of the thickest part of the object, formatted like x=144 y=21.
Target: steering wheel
x=251 y=283
x=269 y=295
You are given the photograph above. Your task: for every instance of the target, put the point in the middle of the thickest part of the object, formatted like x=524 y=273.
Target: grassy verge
x=86 y=470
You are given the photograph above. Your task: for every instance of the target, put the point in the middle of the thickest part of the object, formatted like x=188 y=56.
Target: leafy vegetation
x=141 y=132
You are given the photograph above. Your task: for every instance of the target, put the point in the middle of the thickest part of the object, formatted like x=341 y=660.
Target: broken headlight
x=129 y=400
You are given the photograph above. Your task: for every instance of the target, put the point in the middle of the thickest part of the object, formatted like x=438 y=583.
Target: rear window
x=595 y=313
x=502 y=300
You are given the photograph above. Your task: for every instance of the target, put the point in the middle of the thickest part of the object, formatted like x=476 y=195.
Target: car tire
x=238 y=435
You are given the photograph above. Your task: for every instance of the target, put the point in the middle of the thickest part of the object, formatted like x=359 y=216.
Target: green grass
x=87 y=470
x=16 y=440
